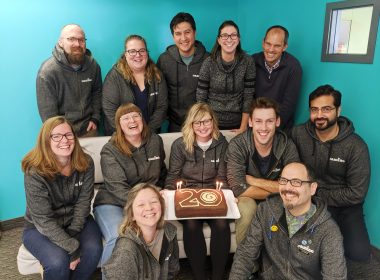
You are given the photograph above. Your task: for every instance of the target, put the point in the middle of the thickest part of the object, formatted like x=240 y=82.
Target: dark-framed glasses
x=74 y=39
x=294 y=182
x=225 y=36
x=133 y=52
x=324 y=109
x=207 y=122
x=58 y=137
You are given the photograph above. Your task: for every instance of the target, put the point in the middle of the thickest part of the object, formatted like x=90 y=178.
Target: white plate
x=232 y=209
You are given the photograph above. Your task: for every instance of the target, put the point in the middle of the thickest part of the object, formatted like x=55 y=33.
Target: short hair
x=286 y=37
x=41 y=158
x=264 y=103
x=128 y=222
x=118 y=138
x=196 y=113
x=310 y=173
x=326 y=90
x=182 y=17
x=216 y=48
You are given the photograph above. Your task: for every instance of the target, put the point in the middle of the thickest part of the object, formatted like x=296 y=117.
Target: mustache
x=321 y=119
x=289 y=192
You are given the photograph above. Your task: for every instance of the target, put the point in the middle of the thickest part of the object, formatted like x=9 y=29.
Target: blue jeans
x=56 y=261
x=109 y=218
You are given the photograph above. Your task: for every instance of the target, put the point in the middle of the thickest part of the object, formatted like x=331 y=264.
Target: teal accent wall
x=29 y=31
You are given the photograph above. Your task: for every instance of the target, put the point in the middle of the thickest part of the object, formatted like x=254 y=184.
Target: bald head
x=71 y=28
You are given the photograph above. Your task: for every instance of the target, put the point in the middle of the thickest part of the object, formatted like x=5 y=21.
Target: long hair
x=128 y=222
x=152 y=73
x=42 y=159
x=118 y=139
x=216 y=49
x=196 y=113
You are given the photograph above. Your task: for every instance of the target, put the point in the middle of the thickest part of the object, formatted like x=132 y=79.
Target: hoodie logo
x=213 y=160
x=80 y=183
x=338 y=160
x=154 y=93
x=168 y=257
x=276 y=170
x=305 y=249
x=195 y=76
x=153 y=158
x=87 y=80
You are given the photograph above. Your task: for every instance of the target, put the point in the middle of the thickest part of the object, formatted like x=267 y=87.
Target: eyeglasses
x=324 y=109
x=294 y=182
x=79 y=40
x=225 y=36
x=58 y=137
x=204 y=122
x=134 y=52
x=136 y=117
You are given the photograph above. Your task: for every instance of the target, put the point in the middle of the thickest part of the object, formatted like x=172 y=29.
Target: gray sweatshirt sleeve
x=96 y=102
x=82 y=207
x=42 y=215
x=204 y=81
x=174 y=261
x=47 y=96
x=249 y=85
x=111 y=98
x=176 y=161
x=161 y=106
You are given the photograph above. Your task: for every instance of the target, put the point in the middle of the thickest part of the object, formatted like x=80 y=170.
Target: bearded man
x=328 y=143
x=69 y=83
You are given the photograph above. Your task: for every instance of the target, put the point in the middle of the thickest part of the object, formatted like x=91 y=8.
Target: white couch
x=26 y=262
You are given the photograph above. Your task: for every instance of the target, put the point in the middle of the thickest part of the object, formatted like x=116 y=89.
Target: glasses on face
x=79 y=40
x=207 y=122
x=324 y=109
x=135 y=117
x=134 y=52
x=58 y=137
x=225 y=36
x=294 y=182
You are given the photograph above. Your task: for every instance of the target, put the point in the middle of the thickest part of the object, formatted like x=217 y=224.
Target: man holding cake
x=255 y=160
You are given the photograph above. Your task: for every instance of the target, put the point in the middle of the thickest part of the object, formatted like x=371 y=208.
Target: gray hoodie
x=314 y=252
x=198 y=169
x=74 y=94
x=118 y=91
x=131 y=258
x=342 y=164
x=58 y=208
x=228 y=92
x=181 y=79
x=121 y=172
x=240 y=161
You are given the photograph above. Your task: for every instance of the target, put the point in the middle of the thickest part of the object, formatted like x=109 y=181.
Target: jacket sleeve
x=176 y=161
x=290 y=93
x=222 y=167
x=41 y=212
x=161 y=106
x=124 y=262
x=291 y=153
x=249 y=84
x=354 y=189
x=97 y=96
x=110 y=100
x=164 y=170
x=115 y=177
x=82 y=207
x=236 y=158
x=204 y=81
x=174 y=260
x=47 y=96
x=249 y=249
x=333 y=261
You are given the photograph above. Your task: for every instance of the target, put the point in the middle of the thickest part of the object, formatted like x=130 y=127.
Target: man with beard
x=293 y=234
x=180 y=64
x=69 y=83
x=328 y=143
x=255 y=159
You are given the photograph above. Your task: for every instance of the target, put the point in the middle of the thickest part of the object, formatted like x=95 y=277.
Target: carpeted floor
x=10 y=242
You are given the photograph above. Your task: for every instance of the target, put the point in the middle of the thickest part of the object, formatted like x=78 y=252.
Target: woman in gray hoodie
x=59 y=186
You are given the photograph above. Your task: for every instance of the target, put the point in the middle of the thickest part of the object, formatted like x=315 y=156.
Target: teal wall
x=29 y=30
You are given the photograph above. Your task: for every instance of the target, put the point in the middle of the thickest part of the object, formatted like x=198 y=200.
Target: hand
x=73 y=264
x=91 y=126
x=238 y=130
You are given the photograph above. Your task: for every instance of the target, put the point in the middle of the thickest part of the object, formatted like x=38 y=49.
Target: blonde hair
x=128 y=222
x=42 y=159
x=152 y=73
x=196 y=113
x=118 y=139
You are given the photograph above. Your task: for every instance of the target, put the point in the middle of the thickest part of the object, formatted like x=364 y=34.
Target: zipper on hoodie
x=203 y=164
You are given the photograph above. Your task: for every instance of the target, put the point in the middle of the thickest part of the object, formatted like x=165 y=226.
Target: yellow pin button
x=274 y=228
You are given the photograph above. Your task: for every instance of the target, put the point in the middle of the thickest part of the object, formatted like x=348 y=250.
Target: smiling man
x=180 y=64
x=278 y=73
x=329 y=144
x=69 y=83
x=293 y=234
x=255 y=160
